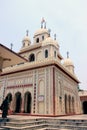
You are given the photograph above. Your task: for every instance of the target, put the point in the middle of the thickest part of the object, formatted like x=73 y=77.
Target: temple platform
x=16 y=122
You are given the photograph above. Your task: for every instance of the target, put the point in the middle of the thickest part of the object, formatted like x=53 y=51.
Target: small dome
x=26 y=38
x=49 y=40
x=68 y=62
x=41 y=31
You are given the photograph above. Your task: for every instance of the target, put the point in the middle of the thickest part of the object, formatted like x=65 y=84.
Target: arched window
x=46 y=53
x=32 y=57
x=42 y=37
x=70 y=105
x=55 y=54
x=24 y=44
x=37 y=40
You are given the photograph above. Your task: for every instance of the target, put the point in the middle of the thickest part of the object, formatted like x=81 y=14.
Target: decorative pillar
x=53 y=91
x=22 y=105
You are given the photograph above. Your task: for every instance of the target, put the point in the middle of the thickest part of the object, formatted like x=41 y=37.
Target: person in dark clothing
x=4 y=107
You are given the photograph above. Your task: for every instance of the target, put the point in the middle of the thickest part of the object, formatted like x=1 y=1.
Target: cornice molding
x=36 y=65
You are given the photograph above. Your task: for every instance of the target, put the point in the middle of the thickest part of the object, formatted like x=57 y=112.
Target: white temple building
x=46 y=83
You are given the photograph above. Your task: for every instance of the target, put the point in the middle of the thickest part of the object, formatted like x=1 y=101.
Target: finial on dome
x=67 y=54
x=11 y=45
x=42 y=21
x=45 y=25
x=27 y=31
x=49 y=31
x=54 y=36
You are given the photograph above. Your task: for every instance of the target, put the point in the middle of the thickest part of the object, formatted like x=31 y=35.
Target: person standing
x=4 y=107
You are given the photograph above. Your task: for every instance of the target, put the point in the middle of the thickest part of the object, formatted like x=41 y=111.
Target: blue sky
x=66 y=18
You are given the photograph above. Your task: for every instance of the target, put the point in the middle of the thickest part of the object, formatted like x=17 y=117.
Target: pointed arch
x=65 y=104
x=46 y=53
x=27 y=102
x=37 y=40
x=70 y=104
x=18 y=101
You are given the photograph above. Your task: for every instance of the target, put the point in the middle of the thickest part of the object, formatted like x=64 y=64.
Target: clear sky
x=66 y=18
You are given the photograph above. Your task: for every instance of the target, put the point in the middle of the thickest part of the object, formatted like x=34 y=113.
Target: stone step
x=21 y=124
x=45 y=124
x=71 y=127
x=25 y=120
x=48 y=126
x=53 y=129
x=34 y=127
x=68 y=122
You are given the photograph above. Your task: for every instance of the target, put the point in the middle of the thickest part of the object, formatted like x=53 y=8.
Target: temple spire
x=49 y=31
x=54 y=36
x=43 y=23
x=67 y=54
x=11 y=45
x=27 y=31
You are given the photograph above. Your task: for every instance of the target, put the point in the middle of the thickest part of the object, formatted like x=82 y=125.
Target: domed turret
x=49 y=40
x=68 y=64
x=41 y=33
x=26 y=40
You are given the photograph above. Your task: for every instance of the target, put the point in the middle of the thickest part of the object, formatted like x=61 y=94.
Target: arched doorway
x=65 y=104
x=69 y=104
x=85 y=107
x=18 y=101
x=27 y=102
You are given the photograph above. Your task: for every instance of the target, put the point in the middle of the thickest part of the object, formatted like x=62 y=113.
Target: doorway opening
x=27 y=102
x=85 y=107
x=18 y=102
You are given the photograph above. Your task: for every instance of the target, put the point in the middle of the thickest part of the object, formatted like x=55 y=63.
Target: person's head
x=6 y=98
x=9 y=98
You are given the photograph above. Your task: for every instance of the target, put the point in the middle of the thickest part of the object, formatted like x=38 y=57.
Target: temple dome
x=49 y=40
x=26 y=38
x=68 y=62
x=41 y=31
x=26 y=41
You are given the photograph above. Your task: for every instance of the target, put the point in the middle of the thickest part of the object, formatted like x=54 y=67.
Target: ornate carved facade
x=43 y=85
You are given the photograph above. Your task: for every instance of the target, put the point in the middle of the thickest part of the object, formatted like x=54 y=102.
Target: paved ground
x=74 y=117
